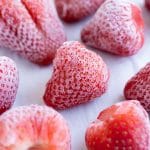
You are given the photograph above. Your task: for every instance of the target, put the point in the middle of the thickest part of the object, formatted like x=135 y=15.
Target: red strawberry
x=117 y=27
x=74 y=10
x=138 y=87
x=147 y=4
x=33 y=128
x=79 y=76
x=123 y=126
x=8 y=83
x=31 y=28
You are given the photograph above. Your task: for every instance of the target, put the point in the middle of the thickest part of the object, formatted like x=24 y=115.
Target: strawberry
x=117 y=27
x=147 y=4
x=75 y=10
x=123 y=126
x=31 y=28
x=9 y=79
x=33 y=128
x=138 y=87
x=79 y=76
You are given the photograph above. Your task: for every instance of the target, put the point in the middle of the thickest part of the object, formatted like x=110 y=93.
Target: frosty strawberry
x=138 y=87
x=9 y=80
x=31 y=28
x=33 y=128
x=79 y=76
x=124 y=125
x=74 y=10
x=117 y=27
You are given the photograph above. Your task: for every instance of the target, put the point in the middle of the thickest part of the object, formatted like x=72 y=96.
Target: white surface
x=34 y=78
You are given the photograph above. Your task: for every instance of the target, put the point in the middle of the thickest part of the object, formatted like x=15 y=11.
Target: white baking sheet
x=33 y=79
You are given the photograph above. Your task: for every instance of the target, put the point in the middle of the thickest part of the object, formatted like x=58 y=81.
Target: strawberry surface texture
x=138 y=87
x=9 y=80
x=79 y=75
x=33 y=128
x=31 y=28
x=123 y=126
x=75 y=10
x=117 y=27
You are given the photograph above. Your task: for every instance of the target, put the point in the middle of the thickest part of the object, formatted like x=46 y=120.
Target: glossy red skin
x=31 y=28
x=126 y=127
x=138 y=87
x=75 y=10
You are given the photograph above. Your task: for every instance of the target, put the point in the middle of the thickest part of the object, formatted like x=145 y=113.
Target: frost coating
x=74 y=10
x=33 y=127
x=117 y=27
x=9 y=79
x=31 y=28
x=79 y=76
x=138 y=87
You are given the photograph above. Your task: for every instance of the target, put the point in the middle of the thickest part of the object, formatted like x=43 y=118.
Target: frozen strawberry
x=147 y=4
x=33 y=128
x=31 y=28
x=117 y=27
x=8 y=83
x=79 y=76
x=138 y=87
x=74 y=10
x=123 y=126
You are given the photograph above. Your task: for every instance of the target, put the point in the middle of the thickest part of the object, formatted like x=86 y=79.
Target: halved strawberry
x=79 y=76
x=33 y=128
x=138 y=87
x=123 y=126
x=117 y=27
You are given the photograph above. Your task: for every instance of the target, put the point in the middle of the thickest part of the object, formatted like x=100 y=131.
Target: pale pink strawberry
x=138 y=87
x=74 y=10
x=31 y=28
x=123 y=126
x=79 y=76
x=33 y=128
x=117 y=27
x=9 y=79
